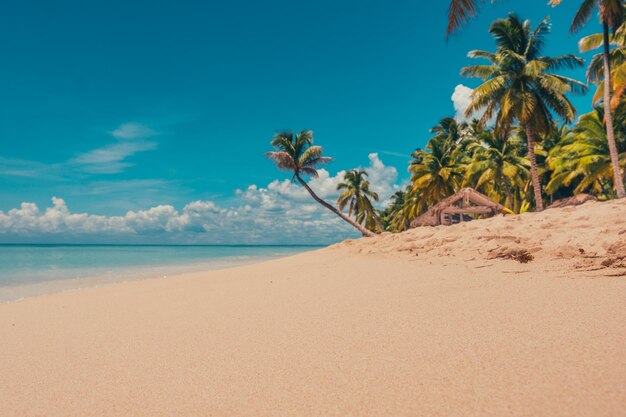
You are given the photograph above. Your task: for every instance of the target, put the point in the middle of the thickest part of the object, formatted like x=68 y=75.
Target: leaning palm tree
x=520 y=85
x=297 y=154
x=356 y=194
x=611 y=14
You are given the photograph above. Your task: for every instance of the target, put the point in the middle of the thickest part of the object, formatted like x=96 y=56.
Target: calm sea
x=36 y=269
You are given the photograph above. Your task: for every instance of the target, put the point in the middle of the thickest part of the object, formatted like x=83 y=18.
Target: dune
x=509 y=316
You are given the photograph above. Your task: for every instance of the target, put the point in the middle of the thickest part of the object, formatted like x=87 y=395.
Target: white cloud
x=133 y=131
x=278 y=213
x=131 y=138
x=29 y=169
x=382 y=178
x=461 y=98
x=111 y=159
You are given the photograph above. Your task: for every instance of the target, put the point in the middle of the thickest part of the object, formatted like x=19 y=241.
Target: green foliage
x=581 y=161
x=357 y=196
x=519 y=82
x=437 y=170
x=296 y=153
x=497 y=167
x=520 y=85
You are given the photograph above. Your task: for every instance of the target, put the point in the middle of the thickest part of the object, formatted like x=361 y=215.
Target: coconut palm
x=611 y=13
x=391 y=217
x=437 y=172
x=460 y=11
x=403 y=208
x=356 y=194
x=297 y=154
x=448 y=128
x=498 y=166
x=520 y=85
x=617 y=60
x=582 y=160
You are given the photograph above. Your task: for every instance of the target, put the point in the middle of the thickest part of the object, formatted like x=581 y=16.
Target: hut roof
x=465 y=201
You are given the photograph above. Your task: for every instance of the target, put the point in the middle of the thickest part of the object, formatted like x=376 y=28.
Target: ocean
x=27 y=270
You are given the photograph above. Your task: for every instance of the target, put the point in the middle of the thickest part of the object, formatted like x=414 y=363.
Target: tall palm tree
x=519 y=85
x=611 y=14
x=297 y=154
x=356 y=194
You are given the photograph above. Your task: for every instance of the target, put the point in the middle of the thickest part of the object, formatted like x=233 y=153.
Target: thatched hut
x=465 y=205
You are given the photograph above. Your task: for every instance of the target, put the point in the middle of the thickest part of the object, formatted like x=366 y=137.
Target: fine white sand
x=432 y=322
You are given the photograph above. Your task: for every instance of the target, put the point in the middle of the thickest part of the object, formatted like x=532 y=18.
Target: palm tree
x=448 y=128
x=436 y=172
x=582 y=159
x=460 y=11
x=519 y=85
x=617 y=60
x=297 y=154
x=611 y=17
x=356 y=194
x=393 y=218
x=498 y=167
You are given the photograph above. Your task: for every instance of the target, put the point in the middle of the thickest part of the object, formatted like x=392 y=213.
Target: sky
x=147 y=121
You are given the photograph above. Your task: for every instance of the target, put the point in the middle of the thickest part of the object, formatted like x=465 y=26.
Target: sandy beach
x=433 y=322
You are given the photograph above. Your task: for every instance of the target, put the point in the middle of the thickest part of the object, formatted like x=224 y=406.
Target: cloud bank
x=280 y=212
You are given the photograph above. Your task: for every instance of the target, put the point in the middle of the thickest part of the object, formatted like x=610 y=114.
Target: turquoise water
x=35 y=269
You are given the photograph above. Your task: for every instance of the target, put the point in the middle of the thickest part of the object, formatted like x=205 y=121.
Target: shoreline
x=124 y=274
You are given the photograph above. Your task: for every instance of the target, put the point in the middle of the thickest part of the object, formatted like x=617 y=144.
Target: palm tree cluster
x=520 y=148
x=569 y=161
x=610 y=74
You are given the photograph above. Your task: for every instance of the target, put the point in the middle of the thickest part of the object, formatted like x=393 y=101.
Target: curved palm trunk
x=357 y=226
x=618 y=177
x=533 y=169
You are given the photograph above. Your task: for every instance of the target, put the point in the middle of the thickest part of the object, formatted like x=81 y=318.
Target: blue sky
x=126 y=106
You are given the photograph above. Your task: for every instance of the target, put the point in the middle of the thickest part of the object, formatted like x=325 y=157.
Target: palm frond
x=583 y=14
x=459 y=12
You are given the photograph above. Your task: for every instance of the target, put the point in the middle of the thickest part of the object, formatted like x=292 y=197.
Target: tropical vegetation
x=520 y=85
x=611 y=14
x=297 y=154
x=356 y=194
x=520 y=141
